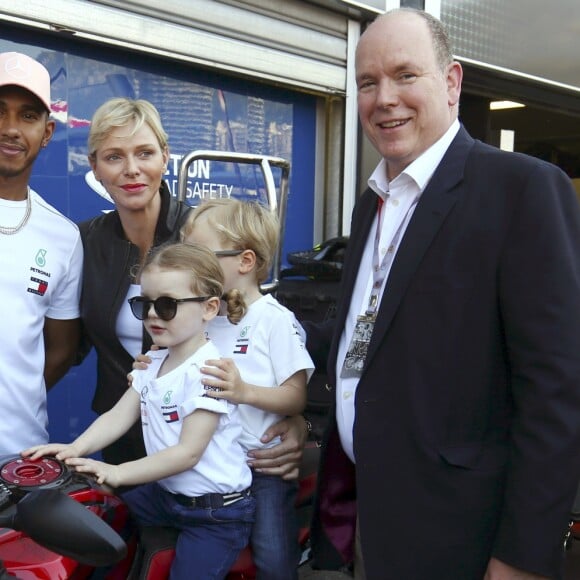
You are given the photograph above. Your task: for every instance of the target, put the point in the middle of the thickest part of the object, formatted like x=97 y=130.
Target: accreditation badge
x=358 y=347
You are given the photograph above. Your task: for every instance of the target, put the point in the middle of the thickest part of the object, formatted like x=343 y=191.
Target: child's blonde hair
x=207 y=278
x=246 y=225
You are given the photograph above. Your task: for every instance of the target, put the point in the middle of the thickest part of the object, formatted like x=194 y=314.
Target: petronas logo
x=41 y=258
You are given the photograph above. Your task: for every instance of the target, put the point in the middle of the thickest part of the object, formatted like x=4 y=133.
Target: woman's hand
x=141 y=362
x=283 y=459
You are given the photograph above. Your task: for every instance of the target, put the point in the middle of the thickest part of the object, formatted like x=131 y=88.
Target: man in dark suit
x=455 y=353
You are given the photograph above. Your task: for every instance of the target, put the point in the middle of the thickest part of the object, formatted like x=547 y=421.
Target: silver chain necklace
x=10 y=231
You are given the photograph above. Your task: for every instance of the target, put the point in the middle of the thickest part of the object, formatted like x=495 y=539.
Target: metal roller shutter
x=283 y=41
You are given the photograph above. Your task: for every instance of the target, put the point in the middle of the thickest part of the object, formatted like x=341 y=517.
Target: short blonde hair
x=123 y=112
x=246 y=225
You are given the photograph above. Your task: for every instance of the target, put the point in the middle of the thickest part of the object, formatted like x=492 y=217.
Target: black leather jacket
x=110 y=259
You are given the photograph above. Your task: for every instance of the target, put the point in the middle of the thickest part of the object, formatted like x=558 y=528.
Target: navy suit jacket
x=467 y=425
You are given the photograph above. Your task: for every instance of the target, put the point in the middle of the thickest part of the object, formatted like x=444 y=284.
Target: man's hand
x=282 y=459
x=498 y=570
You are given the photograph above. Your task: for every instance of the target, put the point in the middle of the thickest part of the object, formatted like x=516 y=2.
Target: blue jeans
x=209 y=540
x=274 y=540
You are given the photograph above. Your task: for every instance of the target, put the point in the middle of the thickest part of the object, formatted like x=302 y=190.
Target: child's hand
x=103 y=472
x=224 y=377
x=59 y=450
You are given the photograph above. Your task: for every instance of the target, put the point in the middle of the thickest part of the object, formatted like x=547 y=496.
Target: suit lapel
x=356 y=245
x=436 y=201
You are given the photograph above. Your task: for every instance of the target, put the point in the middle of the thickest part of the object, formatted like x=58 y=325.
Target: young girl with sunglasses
x=195 y=472
x=266 y=365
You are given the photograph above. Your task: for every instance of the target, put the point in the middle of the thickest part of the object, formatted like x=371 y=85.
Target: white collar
x=421 y=169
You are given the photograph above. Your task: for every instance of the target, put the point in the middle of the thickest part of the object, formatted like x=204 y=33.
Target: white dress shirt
x=399 y=197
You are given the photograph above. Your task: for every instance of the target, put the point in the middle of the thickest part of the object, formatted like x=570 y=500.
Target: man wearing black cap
x=40 y=261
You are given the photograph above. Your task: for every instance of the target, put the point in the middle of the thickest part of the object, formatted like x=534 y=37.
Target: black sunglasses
x=224 y=253
x=165 y=306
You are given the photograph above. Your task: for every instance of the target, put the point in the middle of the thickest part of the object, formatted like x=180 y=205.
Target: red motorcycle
x=58 y=524
x=55 y=524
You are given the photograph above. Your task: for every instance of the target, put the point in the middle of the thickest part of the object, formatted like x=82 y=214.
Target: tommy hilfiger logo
x=171 y=416
x=241 y=346
x=37 y=286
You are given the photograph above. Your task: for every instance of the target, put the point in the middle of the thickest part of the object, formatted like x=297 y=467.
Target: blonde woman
x=128 y=153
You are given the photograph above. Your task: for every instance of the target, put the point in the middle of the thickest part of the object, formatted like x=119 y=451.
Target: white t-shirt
x=129 y=328
x=268 y=348
x=41 y=269
x=165 y=401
